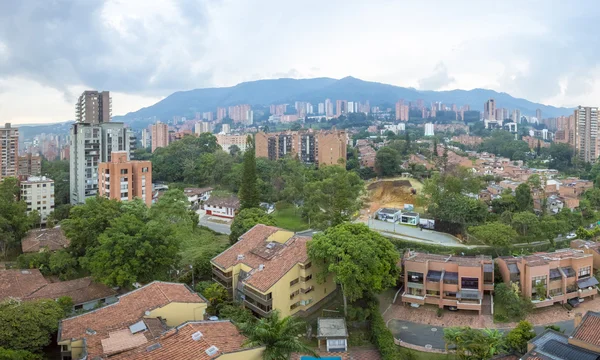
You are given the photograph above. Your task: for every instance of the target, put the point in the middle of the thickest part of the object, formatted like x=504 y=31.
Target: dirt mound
x=393 y=183
x=388 y=193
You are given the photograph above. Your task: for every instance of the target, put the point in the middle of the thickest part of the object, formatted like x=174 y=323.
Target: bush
x=356 y=313
x=8 y=354
x=236 y=314
x=382 y=337
x=516 y=306
x=568 y=306
x=39 y=261
x=500 y=318
x=440 y=312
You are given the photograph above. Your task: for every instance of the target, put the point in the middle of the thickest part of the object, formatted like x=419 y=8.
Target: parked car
x=574 y=302
x=571 y=236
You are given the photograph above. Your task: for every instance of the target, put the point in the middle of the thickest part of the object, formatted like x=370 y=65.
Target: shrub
x=39 y=261
x=568 y=306
x=440 y=312
x=382 y=337
x=356 y=313
x=500 y=317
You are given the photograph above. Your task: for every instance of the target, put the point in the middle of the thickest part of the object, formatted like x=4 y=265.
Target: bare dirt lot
x=392 y=193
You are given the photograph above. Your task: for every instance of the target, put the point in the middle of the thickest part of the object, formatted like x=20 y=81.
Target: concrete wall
x=178 y=313
x=250 y=354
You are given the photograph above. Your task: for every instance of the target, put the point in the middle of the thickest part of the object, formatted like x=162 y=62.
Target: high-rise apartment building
x=124 y=180
x=538 y=114
x=328 y=108
x=501 y=114
x=489 y=110
x=160 y=135
x=227 y=141
x=93 y=138
x=226 y=129
x=38 y=194
x=319 y=148
x=516 y=116
x=587 y=133
x=221 y=113
x=9 y=151
x=429 y=129
x=203 y=127
x=145 y=138
x=94 y=107
x=341 y=107
x=30 y=165
x=208 y=116
x=401 y=111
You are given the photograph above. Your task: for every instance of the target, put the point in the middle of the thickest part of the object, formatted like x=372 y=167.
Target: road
x=414 y=233
x=214 y=226
x=433 y=336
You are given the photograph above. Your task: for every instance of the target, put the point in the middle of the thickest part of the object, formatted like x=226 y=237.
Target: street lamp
x=193 y=283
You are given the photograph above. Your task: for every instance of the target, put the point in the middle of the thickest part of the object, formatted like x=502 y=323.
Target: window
x=538 y=280
x=295 y=305
x=123 y=171
x=306 y=278
x=556 y=292
x=293 y=295
x=415 y=277
x=294 y=282
x=585 y=271
x=469 y=283
x=64 y=348
x=307 y=266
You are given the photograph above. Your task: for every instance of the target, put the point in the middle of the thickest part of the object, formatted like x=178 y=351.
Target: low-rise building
x=558 y=277
x=227 y=141
x=222 y=206
x=269 y=269
x=332 y=332
x=447 y=280
x=49 y=239
x=124 y=180
x=197 y=195
x=38 y=194
x=135 y=320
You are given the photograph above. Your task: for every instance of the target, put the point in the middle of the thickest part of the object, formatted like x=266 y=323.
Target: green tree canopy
x=8 y=354
x=14 y=221
x=518 y=337
x=523 y=197
x=249 y=195
x=359 y=259
x=246 y=219
x=387 y=161
x=495 y=234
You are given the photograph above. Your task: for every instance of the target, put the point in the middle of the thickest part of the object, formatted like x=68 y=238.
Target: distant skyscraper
x=94 y=107
x=321 y=108
x=587 y=133
x=489 y=110
x=9 y=151
x=500 y=114
x=429 y=129
x=160 y=135
x=401 y=111
x=341 y=107
x=328 y=108
x=538 y=114
x=516 y=116
x=351 y=107
x=221 y=113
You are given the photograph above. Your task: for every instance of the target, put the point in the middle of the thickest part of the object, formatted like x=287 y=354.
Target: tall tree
x=14 y=221
x=494 y=234
x=386 y=161
x=523 y=197
x=249 y=195
x=359 y=259
x=280 y=337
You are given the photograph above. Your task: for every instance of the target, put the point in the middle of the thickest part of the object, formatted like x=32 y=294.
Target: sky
x=143 y=51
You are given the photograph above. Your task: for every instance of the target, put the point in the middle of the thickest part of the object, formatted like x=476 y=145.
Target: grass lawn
x=205 y=240
x=290 y=219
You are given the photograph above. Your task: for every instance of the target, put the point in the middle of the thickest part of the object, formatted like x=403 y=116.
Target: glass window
x=585 y=271
x=469 y=283
x=415 y=277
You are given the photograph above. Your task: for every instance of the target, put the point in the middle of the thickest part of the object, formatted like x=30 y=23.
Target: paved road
x=414 y=232
x=433 y=336
x=218 y=227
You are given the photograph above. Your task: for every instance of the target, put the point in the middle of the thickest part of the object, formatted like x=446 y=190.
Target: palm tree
x=281 y=337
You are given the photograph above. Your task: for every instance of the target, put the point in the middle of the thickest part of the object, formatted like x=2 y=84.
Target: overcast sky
x=142 y=51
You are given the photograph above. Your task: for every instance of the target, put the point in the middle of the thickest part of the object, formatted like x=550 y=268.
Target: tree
x=8 y=354
x=445 y=158
x=434 y=148
x=359 y=259
x=474 y=343
x=281 y=337
x=14 y=221
x=518 y=337
x=249 y=196
x=406 y=150
x=526 y=223
x=513 y=302
x=28 y=325
x=523 y=197
x=59 y=172
x=63 y=264
x=246 y=219
x=386 y=161
x=494 y=234
x=234 y=150
x=534 y=181
x=216 y=295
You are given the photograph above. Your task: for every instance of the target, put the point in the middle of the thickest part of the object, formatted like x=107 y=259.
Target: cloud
x=439 y=79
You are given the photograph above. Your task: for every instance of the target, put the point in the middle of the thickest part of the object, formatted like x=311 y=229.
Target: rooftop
x=99 y=326
x=20 y=283
x=80 y=290
x=180 y=343
x=231 y=201
x=196 y=191
x=331 y=327
x=588 y=330
x=277 y=250
x=52 y=239
x=460 y=260
x=539 y=259
x=552 y=345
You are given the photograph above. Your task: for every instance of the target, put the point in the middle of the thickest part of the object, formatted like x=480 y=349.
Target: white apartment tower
x=38 y=193
x=586 y=121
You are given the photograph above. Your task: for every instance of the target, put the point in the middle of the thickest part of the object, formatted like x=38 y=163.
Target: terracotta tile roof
x=20 y=283
x=80 y=290
x=178 y=343
x=588 y=330
x=453 y=259
x=276 y=264
x=228 y=202
x=129 y=309
x=196 y=191
x=53 y=239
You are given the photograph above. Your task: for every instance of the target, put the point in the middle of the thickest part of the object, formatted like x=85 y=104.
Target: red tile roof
x=588 y=330
x=130 y=309
x=53 y=239
x=178 y=343
x=20 y=283
x=283 y=258
x=80 y=290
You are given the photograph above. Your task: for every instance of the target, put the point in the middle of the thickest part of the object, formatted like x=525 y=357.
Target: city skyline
x=141 y=64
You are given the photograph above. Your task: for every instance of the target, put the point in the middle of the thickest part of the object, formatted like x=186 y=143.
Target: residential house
x=333 y=333
x=447 y=280
x=574 y=187
x=582 y=344
x=194 y=340
x=197 y=195
x=220 y=206
x=269 y=269
x=547 y=278
x=588 y=247
x=49 y=239
x=31 y=285
x=136 y=319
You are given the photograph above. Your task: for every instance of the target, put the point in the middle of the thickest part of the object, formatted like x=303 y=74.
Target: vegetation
x=474 y=344
x=247 y=219
x=8 y=354
x=494 y=234
x=59 y=172
x=14 y=221
x=510 y=304
x=517 y=338
x=361 y=260
x=249 y=197
x=28 y=325
x=289 y=218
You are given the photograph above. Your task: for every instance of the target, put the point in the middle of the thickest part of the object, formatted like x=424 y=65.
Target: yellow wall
x=250 y=354
x=76 y=347
x=177 y=313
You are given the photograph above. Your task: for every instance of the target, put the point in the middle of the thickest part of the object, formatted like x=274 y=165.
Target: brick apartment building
x=160 y=135
x=30 y=165
x=447 y=280
x=560 y=276
x=311 y=147
x=125 y=180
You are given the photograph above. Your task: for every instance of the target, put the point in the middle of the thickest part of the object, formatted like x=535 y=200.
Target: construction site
x=391 y=193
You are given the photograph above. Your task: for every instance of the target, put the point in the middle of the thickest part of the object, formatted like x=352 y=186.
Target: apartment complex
x=586 y=121
x=30 y=165
x=9 y=150
x=447 y=280
x=93 y=138
x=124 y=180
x=588 y=247
x=38 y=194
x=137 y=319
x=227 y=141
x=160 y=135
x=268 y=269
x=548 y=278
x=311 y=147
x=401 y=111
x=489 y=110
x=203 y=127
x=241 y=114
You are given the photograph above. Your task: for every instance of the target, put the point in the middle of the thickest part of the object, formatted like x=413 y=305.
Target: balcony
x=260 y=311
x=258 y=297
x=222 y=279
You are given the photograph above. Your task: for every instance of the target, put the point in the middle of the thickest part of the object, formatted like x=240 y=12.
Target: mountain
x=278 y=91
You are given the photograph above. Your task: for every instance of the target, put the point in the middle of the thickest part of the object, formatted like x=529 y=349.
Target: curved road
x=433 y=336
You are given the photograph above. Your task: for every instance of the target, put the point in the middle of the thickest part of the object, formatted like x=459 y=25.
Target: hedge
x=382 y=337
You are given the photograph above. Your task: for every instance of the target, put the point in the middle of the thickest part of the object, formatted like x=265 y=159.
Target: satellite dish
x=147 y=312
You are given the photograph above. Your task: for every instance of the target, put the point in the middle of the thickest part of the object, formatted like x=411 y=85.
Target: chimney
x=577 y=319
